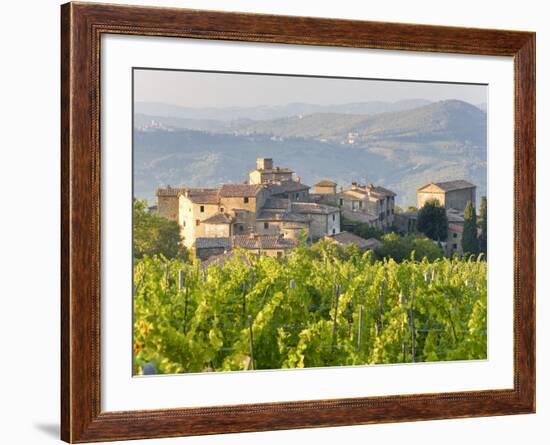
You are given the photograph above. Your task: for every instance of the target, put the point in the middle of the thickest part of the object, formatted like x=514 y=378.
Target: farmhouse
x=450 y=194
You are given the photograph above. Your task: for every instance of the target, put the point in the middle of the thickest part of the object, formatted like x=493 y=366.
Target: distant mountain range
x=400 y=145
x=265 y=112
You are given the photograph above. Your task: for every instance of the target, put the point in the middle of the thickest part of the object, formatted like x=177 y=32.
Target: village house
x=346 y=238
x=325 y=187
x=265 y=172
x=272 y=204
x=270 y=245
x=369 y=204
x=450 y=194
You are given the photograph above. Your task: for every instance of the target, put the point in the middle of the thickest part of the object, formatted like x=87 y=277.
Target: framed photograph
x=274 y=222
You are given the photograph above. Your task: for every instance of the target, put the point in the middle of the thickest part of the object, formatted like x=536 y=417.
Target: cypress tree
x=470 y=242
x=483 y=225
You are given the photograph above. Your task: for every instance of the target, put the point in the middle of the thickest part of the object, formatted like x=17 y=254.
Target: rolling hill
x=400 y=150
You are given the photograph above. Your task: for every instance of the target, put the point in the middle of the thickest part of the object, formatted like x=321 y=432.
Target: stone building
x=270 y=245
x=368 y=203
x=450 y=194
x=324 y=219
x=265 y=172
x=272 y=204
x=208 y=247
x=168 y=202
x=406 y=222
x=325 y=187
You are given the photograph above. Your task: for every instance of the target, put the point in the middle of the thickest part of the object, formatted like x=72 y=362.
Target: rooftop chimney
x=264 y=164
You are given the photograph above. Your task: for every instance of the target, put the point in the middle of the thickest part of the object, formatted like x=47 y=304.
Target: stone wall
x=168 y=206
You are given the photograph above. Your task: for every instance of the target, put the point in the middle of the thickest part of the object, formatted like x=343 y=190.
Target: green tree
x=400 y=248
x=411 y=209
x=470 y=242
x=361 y=229
x=154 y=234
x=483 y=226
x=432 y=220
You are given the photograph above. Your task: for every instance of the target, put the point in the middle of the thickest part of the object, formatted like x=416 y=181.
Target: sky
x=207 y=89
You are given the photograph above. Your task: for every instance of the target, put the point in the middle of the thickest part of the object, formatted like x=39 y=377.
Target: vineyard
x=319 y=306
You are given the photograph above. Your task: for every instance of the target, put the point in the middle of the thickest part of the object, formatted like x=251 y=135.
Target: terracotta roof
x=219 y=218
x=459 y=228
x=221 y=259
x=286 y=187
x=371 y=190
x=239 y=190
x=254 y=241
x=170 y=191
x=345 y=238
x=203 y=196
x=380 y=190
x=448 y=186
x=212 y=243
x=326 y=183
x=312 y=207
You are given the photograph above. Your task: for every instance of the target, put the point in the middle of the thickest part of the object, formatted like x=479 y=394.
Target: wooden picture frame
x=82 y=26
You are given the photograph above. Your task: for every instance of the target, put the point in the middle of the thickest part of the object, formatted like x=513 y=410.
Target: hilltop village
x=269 y=212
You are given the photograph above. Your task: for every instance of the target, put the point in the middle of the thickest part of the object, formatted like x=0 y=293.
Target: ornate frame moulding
x=82 y=25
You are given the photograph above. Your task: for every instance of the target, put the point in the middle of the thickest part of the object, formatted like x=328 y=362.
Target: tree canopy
x=470 y=242
x=154 y=234
x=400 y=248
x=363 y=230
x=432 y=220
x=483 y=225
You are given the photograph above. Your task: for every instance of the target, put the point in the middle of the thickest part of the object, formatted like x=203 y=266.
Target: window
x=333 y=231
x=245 y=199
x=202 y=209
x=241 y=228
x=266 y=225
x=183 y=223
x=454 y=235
x=222 y=209
x=360 y=204
x=297 y=195
x=198 y=222
x=454 y=246
x=279 y=254
x=341 y=202
x=333 y=217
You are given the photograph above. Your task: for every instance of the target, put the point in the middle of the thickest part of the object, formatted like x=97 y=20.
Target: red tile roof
x=345 y=238
x=253 y=241
x=203 y=196
x=447 y=186
x=239 y=190
x=459 y=228
x=219 y=218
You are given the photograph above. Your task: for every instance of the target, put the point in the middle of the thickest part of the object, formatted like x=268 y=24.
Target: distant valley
x=399 y=145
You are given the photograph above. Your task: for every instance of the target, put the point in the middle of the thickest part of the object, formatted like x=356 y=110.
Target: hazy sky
x=198 y=89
